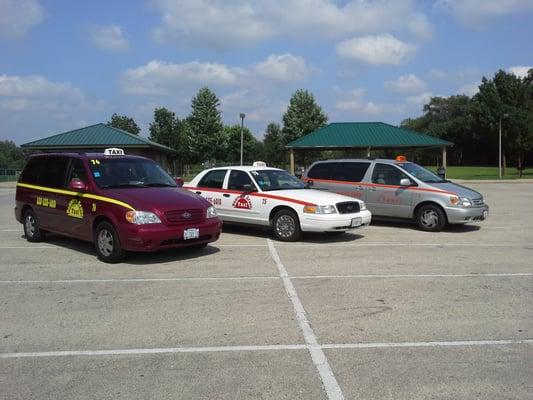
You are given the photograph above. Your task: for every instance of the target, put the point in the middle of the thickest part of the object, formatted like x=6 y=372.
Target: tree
x=273 y=143
x=251 y=146
x=125 y=123
x=205 y=125
x=11 y=156
x=303 y=116
x=165 y=128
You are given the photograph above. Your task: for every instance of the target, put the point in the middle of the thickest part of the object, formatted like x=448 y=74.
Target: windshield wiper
x=124 y=185
x=161 y=184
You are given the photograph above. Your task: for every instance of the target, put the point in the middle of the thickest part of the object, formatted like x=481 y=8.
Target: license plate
x=192 y=233
x=356 y=222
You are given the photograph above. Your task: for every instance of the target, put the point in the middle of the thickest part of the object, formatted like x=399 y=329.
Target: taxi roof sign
x=259 y=164
x=114 y=151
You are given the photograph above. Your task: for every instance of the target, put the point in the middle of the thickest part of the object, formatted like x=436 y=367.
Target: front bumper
x=155 y=237
x=333 y=222
x=458 y=215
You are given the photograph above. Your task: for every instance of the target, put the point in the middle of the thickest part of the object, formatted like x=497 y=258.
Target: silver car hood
x=461 y=191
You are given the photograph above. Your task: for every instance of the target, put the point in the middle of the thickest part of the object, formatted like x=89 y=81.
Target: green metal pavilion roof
x=340 y=135
x=94 y=136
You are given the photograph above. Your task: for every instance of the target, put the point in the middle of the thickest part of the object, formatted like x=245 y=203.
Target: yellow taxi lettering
x=75 y=209
x=93 y=207
x=39 y=201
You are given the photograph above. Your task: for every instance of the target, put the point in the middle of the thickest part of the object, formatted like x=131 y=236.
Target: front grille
x=185 y=216
x=170 y=242
x=478 y=202
x=348 y=207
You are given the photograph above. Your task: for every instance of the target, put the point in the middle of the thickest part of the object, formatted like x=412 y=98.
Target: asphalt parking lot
x=387 y=312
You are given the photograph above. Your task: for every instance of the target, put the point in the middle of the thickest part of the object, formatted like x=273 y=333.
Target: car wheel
x=107 y=243
x=31 y=227
x=286 y=226
x=197 y=247
x=431 y=218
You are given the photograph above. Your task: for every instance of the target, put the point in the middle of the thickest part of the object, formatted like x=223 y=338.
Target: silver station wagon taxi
x=401 y=190
x=260 y=195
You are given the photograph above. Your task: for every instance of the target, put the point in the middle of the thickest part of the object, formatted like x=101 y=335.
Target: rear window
x=32 y=170
x=213 y=179
x=350 y=171
x=321 y=170
x=53 y=172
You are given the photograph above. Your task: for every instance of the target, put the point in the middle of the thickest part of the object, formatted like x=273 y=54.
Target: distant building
x=96 y=138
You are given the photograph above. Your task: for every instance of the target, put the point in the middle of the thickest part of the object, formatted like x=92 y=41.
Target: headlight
x=211 y=212
x=142 y=217
x=362 y=206
x=460 y=201
x=320 y=210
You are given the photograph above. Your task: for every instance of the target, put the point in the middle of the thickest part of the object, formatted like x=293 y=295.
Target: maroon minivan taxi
x=119 y=202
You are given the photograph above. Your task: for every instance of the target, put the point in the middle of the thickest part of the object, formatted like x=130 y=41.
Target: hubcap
x=285 y=226
x=429 y=218
x=105 y=242
x=30 y=225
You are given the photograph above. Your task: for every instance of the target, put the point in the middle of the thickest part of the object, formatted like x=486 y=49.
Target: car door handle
x=226 y=195
x=198 y=192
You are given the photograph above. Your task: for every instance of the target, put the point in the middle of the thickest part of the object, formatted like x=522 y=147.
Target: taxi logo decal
x=186 y=215
x=75 y=209
x=243 y=202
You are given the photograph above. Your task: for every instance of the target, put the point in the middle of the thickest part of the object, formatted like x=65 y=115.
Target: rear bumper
x=458 y=215
x=333 y=222
x=158 y=237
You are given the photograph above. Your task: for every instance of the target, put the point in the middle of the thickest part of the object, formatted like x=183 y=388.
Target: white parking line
x=270 y=278
x=277 y=347
x=428 y=344
x=318 y=356
x=358 y=243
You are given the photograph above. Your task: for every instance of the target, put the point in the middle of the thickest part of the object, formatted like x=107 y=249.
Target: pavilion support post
x=291 y=157
x=368 y=152
x=444 y=161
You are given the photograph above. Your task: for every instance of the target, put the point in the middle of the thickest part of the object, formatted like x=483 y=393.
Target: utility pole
x=242 y=115
x=500 y=151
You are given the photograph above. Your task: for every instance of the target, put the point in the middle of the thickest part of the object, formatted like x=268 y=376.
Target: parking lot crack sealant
x=318 y=356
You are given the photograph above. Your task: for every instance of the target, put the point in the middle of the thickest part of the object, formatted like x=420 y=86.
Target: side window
x=32 y=170
x=385 y=174
x=350 y=171
x=237 y=180
x=53 y=172
x=321 y=171
x=213 y=179
x=77 y=171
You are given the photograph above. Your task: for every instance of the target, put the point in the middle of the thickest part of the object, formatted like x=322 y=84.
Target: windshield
x=128 y=172
x=275 y=179
x=420 y=173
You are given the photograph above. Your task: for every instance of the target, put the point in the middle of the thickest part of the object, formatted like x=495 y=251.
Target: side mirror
x=405 y=182
x=179 y=181
x=77 y=185
x=247 y=188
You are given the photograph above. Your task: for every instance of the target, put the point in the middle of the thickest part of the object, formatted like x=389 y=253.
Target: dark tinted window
x=32 y=170
x=321 y=171
x=213 y=179
x=77 y=171
x=53 y=172
x=237 y=180
x=350 y=171
x=385 y=174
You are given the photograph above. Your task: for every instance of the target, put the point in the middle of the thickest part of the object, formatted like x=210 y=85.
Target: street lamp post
x=500 y=147
x=242 y=115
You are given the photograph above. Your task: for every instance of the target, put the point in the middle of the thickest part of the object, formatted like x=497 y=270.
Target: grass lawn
x=483 y=172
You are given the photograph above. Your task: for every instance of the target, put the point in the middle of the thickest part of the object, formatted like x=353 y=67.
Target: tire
x=286 y=226
x=431 y=218
x=107 y=243
x=32 y=231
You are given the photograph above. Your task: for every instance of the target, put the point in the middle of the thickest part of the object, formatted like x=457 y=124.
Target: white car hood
x=318 y=197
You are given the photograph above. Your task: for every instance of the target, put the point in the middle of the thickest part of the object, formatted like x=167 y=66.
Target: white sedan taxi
x=260 y=195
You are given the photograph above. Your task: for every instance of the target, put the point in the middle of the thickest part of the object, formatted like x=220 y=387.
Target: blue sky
x=66 y=64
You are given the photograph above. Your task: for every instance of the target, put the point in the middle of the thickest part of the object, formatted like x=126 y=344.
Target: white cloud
x=230 y=24
x=476 y=11
x=161 y=78
x=406 y=84
x=469 y=89
x=109 y=37
x=519 y=70
x=375 y=50
x=35 y=86
x=17 y=17
x=437 y=73
x=354 y=102
x=419 y=99
x=284 y=68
